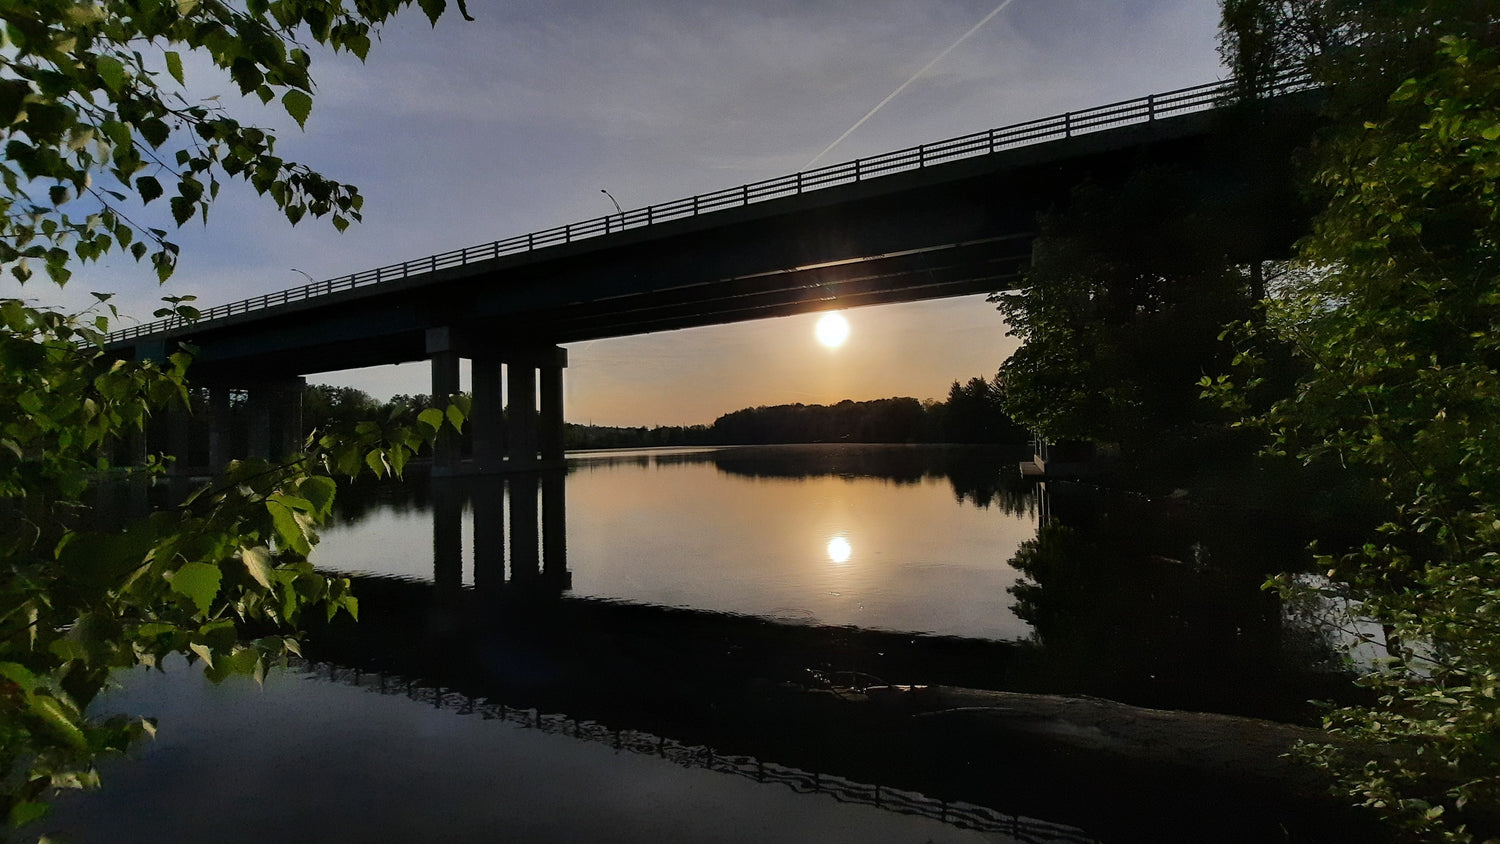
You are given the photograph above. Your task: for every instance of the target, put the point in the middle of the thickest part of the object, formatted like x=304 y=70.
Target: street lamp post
x=617 y=209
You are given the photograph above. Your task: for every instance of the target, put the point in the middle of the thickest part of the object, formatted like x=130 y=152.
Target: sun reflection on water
x=839 y=549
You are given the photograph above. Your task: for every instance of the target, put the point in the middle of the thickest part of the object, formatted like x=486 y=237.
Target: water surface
x=720 y=611
x=878 y=537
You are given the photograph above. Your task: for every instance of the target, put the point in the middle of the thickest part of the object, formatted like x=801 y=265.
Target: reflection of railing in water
x=959 y=814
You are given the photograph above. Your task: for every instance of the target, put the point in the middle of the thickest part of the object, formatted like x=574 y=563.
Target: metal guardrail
x=959 y=814
x=1145 y=109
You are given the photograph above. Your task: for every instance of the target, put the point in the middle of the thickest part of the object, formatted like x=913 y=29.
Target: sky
x=469 y=132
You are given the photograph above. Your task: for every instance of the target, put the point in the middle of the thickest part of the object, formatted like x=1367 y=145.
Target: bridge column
x=551 y=422
x=487 y=419
x=137 y=444
x=259 y=407
x=219 y=428
x=444 y=359
x=520 y=420
x=289 y=403
x=274 y=412
x=179 y=438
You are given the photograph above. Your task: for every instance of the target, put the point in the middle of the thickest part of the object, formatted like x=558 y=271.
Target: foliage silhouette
x=1395 y=319
x=97 y=126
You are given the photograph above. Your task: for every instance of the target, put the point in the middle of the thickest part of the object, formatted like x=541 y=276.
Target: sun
x=833 y=330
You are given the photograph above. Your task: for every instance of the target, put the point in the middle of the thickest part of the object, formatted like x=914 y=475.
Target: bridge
x=945 y=219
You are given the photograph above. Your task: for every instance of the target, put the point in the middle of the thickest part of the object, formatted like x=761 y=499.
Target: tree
x=1397 y=316
x=324 y=405
x=1120 y=311
x=974 y=413
x=96 y=128
x=1260 y=40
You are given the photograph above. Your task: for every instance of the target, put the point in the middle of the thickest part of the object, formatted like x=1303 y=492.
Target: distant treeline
x=970 y=414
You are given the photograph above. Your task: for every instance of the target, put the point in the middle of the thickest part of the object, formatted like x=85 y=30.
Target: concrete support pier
x=444 y=356
x=220 y=428
x=289 y=404
x=275 y=419
x=550 y=428
x=250 y=419
x=487 y=415
x=510 y=430
x=520 y=416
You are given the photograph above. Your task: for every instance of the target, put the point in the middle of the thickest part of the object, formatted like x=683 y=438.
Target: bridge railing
x=1145 y=109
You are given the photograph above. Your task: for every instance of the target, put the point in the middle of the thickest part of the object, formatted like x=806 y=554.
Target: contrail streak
x=940 y=56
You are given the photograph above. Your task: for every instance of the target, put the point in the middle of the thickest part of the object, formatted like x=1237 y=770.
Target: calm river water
x=627 y=651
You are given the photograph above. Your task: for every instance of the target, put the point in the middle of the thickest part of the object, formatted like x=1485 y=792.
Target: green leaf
x=155 y=131
x=433 y=9
x=198 y=581
x=25 y=812
x=203 y=652
x=174 y=66
x=299 y=105
x=455 y=417
x=12 y=99
x=258 y=562
x=288 y=529
x=59 y=718
x=111 y=71
x=319 y=492
x=295 y=503
x=20 y=675
x=431 y=417
x=399 y=454
x=182 y=209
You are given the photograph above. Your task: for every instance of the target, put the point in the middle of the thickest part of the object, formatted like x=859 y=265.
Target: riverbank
x=1122 y=772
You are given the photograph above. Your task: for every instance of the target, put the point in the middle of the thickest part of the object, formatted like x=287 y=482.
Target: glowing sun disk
x=833 y=330
x=839 y=549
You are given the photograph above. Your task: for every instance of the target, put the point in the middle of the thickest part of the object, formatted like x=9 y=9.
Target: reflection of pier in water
x=520 y=519
x=960 y=814
x=528 y=508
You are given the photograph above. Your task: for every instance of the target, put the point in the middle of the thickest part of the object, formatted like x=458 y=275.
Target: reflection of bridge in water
x=960 y=814
x=527 y=508
x=731 y=692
